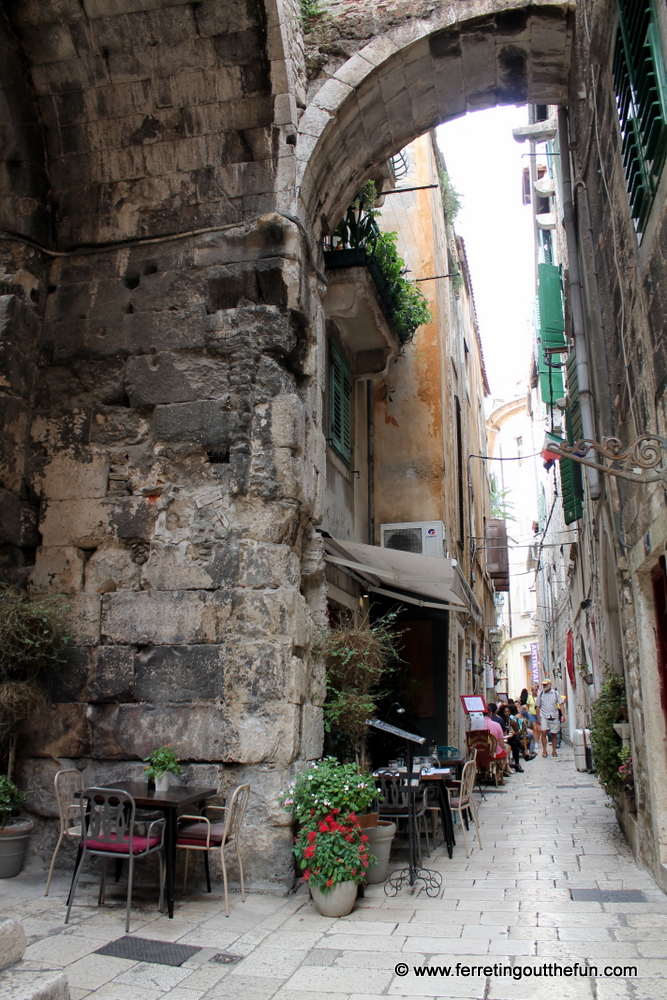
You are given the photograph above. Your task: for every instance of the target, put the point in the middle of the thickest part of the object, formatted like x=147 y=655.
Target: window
x=640 y=86
x=340 y=405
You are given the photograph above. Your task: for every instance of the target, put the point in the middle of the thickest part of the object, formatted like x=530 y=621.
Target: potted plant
x=627 y=777
x=607 y=710
x=162 y=763
x=14 y=831
x=329 y=787
x=358 y=653
x=333 y=853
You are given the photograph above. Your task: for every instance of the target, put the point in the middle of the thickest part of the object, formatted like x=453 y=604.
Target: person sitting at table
x=493 y=714
x=525 y=735
x=511 y=731
x=496 y=730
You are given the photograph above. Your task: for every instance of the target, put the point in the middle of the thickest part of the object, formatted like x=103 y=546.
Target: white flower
x=310 y=777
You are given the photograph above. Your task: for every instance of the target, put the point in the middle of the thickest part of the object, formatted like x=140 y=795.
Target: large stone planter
x=13 y=846
x=380 y=839
x=338 y=901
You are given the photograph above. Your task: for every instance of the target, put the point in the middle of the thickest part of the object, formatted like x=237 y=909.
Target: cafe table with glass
x=435 y=778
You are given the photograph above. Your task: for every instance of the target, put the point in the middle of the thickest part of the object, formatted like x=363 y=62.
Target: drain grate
x=608 y=896
x=144 y=950
x=223 y=958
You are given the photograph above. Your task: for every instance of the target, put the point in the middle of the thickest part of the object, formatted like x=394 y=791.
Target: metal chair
x=464 y=804
x=108 y=825
x=393 y=802
x=444 y=752
x=65 y=784
x=197 y=833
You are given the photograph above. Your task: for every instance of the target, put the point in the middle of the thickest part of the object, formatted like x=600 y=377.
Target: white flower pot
x=338 y=901
x=162 y=783
x=380 y=839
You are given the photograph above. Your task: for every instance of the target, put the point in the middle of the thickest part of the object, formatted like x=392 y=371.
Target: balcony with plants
x=376 y=308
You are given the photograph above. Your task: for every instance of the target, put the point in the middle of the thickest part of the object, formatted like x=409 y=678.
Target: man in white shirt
x=548 y=702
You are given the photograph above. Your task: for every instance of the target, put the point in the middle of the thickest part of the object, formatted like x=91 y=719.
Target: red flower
x=354 y=871
x=365 y=864
x=352 y=817
x=336 y=811
x=306 y=874
x=312 y=811
x=364 y=838
x=329 y=881
x=349 y=837
x=309 y=851
x=311 y=836
x=323 y=828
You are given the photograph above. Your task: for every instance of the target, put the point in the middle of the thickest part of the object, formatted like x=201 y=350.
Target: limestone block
x=90 y=523
x=118 y=425
x=179 y=673
x=206 y=422
x=69 y=682
x=108 y=563
x=58 y=569
x=289 y=473
x=172 y=378
x=12 y=943
x=111 y=675
x=198 y=732
x=264 y=565
x=36 y=775
x=34 y=984
x=165 y=617
x=271 y=734
x=312 y=732
x=206 y=562
x=296 y=688
x=280 y=612
x=67 y=478
x=84 y=616
x=288 y=422
x=257 y=671
x=63 y=731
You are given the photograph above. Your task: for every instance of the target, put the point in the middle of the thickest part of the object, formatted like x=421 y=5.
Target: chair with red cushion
x=197 y=833
x=108 y=824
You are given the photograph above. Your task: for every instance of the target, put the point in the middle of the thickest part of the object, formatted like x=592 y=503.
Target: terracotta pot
x=380 y=839
x=13 y=846
x=337 y=901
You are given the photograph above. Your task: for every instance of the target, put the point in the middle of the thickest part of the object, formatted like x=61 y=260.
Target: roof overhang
x=427 y=581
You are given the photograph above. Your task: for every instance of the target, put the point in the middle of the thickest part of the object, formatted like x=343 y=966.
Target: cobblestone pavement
x=548 y=831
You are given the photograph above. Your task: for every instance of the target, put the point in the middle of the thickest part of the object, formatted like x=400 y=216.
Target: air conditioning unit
x=426 y=538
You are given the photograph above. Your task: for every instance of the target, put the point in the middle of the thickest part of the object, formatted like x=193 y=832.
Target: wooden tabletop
x=178 y=795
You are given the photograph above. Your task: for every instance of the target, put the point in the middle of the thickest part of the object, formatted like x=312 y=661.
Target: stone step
x=24 y=982
x=12 y=943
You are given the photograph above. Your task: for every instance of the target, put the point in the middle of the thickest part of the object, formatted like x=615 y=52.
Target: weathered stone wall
x=163 y=398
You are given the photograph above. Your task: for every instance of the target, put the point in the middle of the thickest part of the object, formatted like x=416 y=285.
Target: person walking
x=547 y=704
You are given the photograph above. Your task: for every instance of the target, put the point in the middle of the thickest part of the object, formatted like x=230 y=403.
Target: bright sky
x=485 y=166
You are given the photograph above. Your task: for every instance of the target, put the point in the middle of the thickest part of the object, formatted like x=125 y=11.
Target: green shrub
x=11 y=799
x=606 y=743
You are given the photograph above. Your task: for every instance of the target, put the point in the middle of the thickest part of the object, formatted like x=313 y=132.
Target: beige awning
x=387 y=571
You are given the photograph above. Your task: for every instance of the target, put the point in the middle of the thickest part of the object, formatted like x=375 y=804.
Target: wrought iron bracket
x=643 y=461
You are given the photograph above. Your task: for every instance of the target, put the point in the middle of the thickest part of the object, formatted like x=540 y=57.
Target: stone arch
x=413 y=77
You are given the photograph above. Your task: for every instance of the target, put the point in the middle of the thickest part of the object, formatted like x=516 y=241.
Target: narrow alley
x=547 y=834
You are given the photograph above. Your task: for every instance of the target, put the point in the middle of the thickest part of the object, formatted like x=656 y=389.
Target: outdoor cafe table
x=169 y=803
x=438 y=779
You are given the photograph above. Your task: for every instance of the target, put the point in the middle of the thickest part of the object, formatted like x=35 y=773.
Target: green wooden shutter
x=550 y=374
x=640 y=85
x=550 y=298
x=571 y=480
x=340 y=405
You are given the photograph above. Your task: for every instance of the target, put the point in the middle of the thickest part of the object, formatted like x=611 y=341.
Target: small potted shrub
x=333 y=853
x=161 y=764
x=14 y=831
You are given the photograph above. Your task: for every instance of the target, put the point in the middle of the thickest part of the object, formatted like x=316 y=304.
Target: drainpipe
x=580 y=346
x=370 y=449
